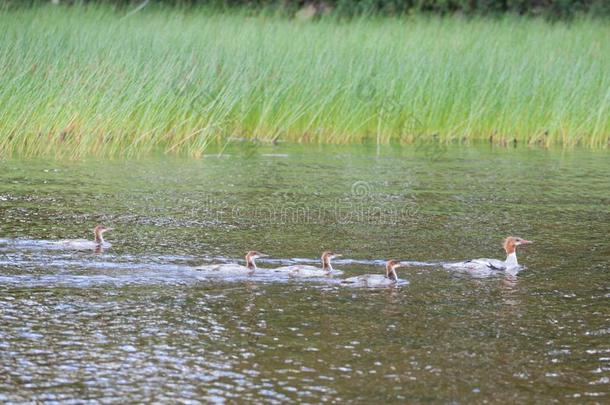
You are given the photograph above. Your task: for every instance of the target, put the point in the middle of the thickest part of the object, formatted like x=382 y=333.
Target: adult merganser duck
x=83 y=244
x=510 y=246
x=377 y=280
x=234 y=268
x=300 y=270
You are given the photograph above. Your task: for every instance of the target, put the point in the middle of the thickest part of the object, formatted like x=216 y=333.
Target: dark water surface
x=136 y=322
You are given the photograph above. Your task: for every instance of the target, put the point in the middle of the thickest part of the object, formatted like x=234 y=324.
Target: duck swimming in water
x=234 y=268
x=304 y=271
x=98 y=243
x=510 y=264
x=377 y=280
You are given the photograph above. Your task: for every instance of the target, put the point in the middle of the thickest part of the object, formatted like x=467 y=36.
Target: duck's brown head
x=390 y=269
x=327 y=256
x=98 y=231
x=251 y=256
x=511 y=243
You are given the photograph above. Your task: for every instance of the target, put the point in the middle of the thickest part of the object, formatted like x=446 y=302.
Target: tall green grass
x=79 y=80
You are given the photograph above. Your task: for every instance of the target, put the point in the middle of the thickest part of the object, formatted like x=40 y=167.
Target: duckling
x=377 y=280
x=234 y=268
x=304 y=271
x=83 y=244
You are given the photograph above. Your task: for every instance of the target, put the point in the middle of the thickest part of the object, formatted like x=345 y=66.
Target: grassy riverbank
x=84 y=80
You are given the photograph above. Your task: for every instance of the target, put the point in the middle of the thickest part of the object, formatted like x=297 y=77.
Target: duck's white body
x=510 y=264
x=80 y=244
x=304 y=271
x=485 y=264
x=372 y=280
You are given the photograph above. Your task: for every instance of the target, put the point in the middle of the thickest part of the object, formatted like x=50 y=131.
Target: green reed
x=82 y=80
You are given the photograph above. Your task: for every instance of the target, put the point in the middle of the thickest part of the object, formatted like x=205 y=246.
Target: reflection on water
x=137 y=323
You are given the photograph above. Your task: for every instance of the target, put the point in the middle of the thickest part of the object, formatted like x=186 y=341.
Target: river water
x=136 y=322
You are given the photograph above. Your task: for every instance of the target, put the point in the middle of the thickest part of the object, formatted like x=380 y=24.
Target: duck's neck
x=99 y=238
x=511 y=259
x=391 y=274
x=326 y=264
x=250 y=263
